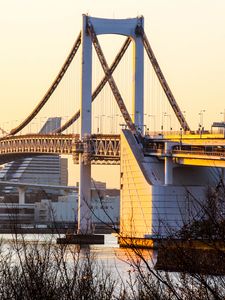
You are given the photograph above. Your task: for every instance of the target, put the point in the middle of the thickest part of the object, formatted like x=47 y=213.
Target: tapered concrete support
x=138 y=82
x=21 y=190
x=168 y=170
x=168 y=167
x=84 y=201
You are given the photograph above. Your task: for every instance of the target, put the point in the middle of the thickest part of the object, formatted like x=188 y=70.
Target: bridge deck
x=190 y=138
x=97 y=148
x=105 y=149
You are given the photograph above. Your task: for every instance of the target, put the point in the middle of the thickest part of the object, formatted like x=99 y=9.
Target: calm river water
x=110 y=255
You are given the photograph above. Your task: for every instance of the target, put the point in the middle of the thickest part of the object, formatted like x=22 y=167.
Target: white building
x=105 y=210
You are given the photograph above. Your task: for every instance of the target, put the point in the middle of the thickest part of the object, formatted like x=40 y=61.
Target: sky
x=188 y=38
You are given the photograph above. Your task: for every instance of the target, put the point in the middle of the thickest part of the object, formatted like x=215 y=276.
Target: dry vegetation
x=45 y=270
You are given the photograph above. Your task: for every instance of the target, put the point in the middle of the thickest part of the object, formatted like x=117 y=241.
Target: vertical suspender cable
x=52 y=87
x=99 y=87
x=111 y=82
x=163 y=81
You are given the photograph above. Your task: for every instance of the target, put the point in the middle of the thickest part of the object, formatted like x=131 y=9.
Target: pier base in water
x=134 y=242
x=82 y=239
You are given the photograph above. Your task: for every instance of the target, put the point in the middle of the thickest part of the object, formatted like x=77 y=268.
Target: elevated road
x=195 y=138
x=194 y=149
x=37 y=185
x=198 y=158
x=197 y=149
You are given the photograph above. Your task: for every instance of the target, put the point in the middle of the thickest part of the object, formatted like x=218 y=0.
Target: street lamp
x=152 y=116
x=169 y=116
x=184 y=113
x=163 y=114
x=223 y=113
x=101 y=122
x=110 y=123
x=116 y=122
x=147 y=123
x=201 y=118
x=97 y=117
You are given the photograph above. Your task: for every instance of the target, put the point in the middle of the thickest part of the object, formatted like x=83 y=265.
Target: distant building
x=105 y=210
x=63 y=171
x=63 y=211
x=42 y=169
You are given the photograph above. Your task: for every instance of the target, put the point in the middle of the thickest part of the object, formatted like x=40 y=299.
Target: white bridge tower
x=126 y=27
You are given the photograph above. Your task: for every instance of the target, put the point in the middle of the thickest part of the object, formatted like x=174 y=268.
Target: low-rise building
x=105 y=210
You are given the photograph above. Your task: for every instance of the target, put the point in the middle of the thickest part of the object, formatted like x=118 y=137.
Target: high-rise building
x=41 y=169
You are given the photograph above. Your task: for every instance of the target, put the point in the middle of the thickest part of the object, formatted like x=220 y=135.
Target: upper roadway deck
x=198 y=149
x=199 y=139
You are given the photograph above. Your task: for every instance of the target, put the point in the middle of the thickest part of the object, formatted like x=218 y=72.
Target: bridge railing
x=181 y=134
x=220 y=153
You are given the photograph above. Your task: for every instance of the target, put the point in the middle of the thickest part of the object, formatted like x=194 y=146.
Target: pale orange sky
x=188 y=38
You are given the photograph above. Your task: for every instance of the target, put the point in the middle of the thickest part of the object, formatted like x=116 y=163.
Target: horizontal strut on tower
x=111 y=81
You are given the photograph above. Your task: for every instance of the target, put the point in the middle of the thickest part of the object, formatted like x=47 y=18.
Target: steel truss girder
x=94 y=148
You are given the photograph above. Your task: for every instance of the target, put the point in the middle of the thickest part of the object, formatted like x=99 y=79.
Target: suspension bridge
x=152 y=161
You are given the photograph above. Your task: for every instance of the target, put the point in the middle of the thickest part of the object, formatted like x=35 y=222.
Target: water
x=115 y=259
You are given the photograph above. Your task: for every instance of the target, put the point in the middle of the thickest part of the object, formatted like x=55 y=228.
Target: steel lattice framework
x=100 y=149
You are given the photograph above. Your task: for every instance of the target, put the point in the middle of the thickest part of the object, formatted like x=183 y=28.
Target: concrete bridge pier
x=21 y=190
x=168 y=166
x=84 y=234
x=84 y=203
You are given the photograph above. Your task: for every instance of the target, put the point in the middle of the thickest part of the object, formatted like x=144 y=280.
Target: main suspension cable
x=52 y=87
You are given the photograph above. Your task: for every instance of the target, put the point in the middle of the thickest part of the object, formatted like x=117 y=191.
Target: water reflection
x=118 y=260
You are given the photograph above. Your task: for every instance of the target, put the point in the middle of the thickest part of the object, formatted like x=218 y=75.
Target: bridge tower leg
x=84 y=201
x=138 y=78
x=129 y=27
